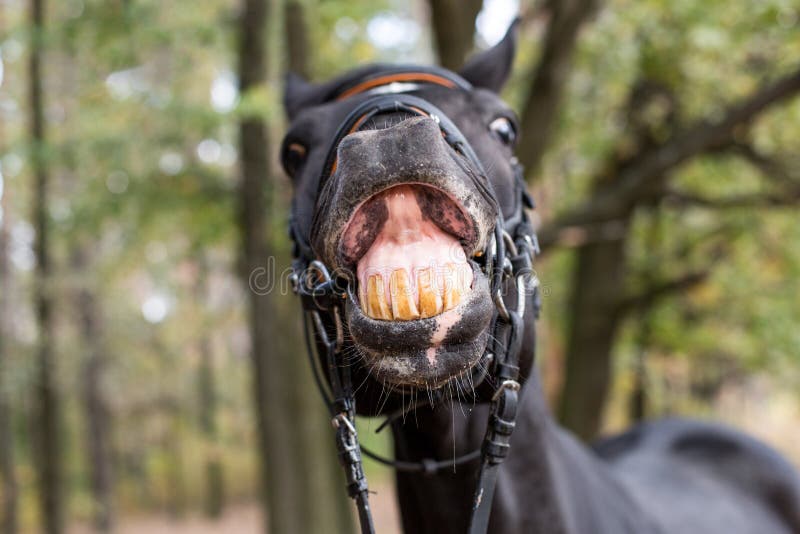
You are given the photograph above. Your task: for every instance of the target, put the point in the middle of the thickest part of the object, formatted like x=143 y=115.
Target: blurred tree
x=284 y=502
x=174 y=440
x=282 y=401
x=8 y=479
x=96 y=411
x=47 y=418
x=315 y=442
x=540 y=108
x=255 y=194
x=453 y=23
x=650 y=274
x=297 y=39
x=84 y=293
x=632 y=178
x=208 y=402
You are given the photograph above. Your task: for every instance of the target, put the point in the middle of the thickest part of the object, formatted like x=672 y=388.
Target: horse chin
x=425 y=352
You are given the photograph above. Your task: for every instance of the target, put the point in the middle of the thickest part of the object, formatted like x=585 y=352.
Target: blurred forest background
x=141 y=379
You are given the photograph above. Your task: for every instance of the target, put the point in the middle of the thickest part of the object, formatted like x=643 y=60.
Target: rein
x=507 y=257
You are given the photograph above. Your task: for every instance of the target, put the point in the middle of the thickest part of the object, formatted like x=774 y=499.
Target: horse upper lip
x=407 y=207
x=373 y=161
x=406 y=243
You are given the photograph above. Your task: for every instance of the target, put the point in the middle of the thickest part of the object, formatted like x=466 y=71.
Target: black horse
x=394 y=204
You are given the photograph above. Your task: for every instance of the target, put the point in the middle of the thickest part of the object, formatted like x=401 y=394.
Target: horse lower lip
x=434 y=348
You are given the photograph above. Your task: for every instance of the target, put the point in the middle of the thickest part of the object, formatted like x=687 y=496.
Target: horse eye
x=504 y=130
x=294 y=154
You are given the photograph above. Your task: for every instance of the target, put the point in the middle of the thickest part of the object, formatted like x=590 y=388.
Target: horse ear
x=299 y=93
x=490 y=69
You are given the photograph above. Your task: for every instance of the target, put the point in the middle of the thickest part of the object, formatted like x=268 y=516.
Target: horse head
x=402 y=177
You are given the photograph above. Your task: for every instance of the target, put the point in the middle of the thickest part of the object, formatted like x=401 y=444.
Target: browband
x=402 y=77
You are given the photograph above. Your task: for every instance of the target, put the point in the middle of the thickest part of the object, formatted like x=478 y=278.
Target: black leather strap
x=497 y=442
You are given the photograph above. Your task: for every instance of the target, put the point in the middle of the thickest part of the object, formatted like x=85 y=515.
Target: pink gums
x=410 y=241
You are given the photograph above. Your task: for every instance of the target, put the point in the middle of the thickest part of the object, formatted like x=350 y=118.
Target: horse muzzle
x=401 y=218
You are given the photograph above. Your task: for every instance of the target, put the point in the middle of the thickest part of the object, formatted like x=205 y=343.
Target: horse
x=411 y=247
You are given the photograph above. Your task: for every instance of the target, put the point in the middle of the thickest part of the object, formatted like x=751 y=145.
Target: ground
x=244 y=519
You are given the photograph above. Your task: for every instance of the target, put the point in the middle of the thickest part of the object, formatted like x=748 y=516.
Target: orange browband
x=392 y=78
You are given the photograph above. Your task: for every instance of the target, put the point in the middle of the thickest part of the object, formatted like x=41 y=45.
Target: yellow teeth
x=377 y=307
x=403 y=305
x=430 y=293
x=452 y=293
x=430 y=302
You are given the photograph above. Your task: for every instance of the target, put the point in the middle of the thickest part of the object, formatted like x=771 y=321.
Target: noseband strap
x=410 y=104
x=507 y=259
x=394 y=103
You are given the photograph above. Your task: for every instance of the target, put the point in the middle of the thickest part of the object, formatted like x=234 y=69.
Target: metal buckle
x=342 y=418
x=511 y=385
x=509 y=242
x=500 y=305
x=522 y=295
x=318 y=266
x=337 y=320
x=533 y=242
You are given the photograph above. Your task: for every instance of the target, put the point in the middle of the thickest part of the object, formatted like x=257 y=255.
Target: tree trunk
x=47 y=416
x=321 y=478
x=215 y=472
x=207 y=405
x=597 y=292
x=297 y=45
x=639 y=178
x=332 y=509
x=8 y=480
x=290 y=419
x=177 y=498
x=453 y=23
x=542 y=102
x=284 y=504
x=637 y=405
x=96 y=410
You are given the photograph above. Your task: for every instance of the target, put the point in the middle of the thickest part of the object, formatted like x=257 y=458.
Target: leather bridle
x=508 y=256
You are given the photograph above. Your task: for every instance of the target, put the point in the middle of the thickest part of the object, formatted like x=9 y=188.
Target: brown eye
x=293 y=157
x=504 y=130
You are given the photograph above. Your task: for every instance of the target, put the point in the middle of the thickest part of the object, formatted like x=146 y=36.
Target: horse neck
x=550 y=483
x=527 y=492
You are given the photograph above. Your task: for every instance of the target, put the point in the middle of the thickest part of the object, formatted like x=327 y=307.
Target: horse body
x=660 y=477
x=665 y=476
